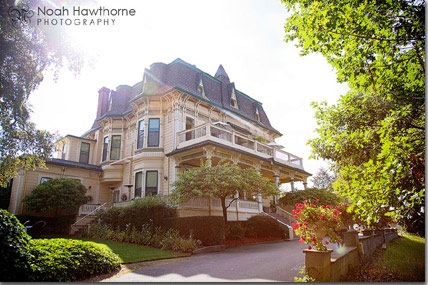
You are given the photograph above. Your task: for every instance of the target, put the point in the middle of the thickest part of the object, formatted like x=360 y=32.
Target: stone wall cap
x=318 y=251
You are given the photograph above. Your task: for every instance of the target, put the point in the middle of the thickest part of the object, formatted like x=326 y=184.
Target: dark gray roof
x=222 y=75
x=69 y=163
x=186 y=77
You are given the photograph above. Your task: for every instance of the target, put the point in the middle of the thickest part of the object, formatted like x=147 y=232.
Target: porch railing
x=222 y=135
x=215 y=204
x=289 y=219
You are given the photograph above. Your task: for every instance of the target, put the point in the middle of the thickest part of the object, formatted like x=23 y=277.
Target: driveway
x=279 y=261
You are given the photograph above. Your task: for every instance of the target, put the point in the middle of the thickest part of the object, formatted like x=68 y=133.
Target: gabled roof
x=185 y=77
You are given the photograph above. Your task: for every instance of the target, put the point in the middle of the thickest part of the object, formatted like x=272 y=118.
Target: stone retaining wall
x=334 y=266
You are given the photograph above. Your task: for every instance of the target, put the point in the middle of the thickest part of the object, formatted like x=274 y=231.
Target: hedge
x=311 y=194
x=63 y=260
x=263 y=226
x=24 y=259
x=208 y=229
x=15 y=254
x=146 y=211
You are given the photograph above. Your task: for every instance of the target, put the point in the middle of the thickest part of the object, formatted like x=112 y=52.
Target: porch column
x=305 y=184
x=292 y=184
x=277 y=185
x=260 y=202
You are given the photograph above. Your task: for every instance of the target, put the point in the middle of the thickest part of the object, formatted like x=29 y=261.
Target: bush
x=15 y=255
x=312 y=194
x=146 y=211
x=208 y=229
x=235 y=230
x=151 y=236
x=263 y=226
x=65 y=260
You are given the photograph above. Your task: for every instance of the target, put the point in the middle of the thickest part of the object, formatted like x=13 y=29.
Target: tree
x=375 y=134
x=221 y=181
x=323 y=180
x=56 y=194
x=310 y=195
x=26 y=53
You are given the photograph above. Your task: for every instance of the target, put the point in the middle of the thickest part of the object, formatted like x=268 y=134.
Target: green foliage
x=221 y=181
x=260 y=226
x=311 y=194
x=235 y=230
x=209 y=230
x=27 y=51
x=5 y=193
x=16 y=259
x=305 y=277
x=146 y=211
x=63 y=260
x=157 y=237
x=375 y=134
x=56 y=194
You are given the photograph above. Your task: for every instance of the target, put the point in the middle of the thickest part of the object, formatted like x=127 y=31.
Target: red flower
x=296 y=217
x=304 y=201
x=313 y=239
x=317 y=200
x=323 y=217
x=300 y=241
x=293 y=211
x=293 y=225
x=300 y=224
x=305 y=223
x=303 y=238
x=297 y=205
x=341 y=241
x=309 y=247
x=326 y=242
x=312 y=205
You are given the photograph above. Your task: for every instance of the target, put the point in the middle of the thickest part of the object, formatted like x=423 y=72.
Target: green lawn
x=129 y=253
x=405 y=258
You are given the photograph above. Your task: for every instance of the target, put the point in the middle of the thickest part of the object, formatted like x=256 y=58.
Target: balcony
x=204 y=203
x=219 y=134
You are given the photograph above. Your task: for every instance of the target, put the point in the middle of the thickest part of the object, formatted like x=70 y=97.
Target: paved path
x=279 y=261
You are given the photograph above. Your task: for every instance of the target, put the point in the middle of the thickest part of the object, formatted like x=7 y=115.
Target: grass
x=130 y=253
x=405 y=258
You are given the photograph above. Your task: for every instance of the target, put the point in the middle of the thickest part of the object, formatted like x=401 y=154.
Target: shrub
x=235 y=230
x=146 y=211
x=151 y=236
x=208 y=229
x=64 y=260
x=15 y=255
x=263 y=226
x=312 y=194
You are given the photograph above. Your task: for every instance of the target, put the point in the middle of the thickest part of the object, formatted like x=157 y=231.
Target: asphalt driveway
x=279 y=261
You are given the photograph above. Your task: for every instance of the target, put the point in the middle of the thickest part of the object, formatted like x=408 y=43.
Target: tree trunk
x=223 y=206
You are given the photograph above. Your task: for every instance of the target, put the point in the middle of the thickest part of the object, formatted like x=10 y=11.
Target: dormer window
x=257 y=114
x=201 y=89
x=233 y=101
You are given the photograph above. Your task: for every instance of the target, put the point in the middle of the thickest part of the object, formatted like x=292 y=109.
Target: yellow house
x=145 y=134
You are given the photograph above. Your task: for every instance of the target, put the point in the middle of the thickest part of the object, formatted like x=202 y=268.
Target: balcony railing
x=215 y=204
x=241 y=141
x=87 y=209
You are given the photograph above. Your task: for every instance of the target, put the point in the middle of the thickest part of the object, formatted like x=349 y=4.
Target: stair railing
x=290 y=230
x=289 y=217
x=90 y=213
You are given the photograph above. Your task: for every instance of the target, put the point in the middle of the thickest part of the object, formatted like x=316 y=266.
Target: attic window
x=233 y=101
x=257 y=114
x=201 y=88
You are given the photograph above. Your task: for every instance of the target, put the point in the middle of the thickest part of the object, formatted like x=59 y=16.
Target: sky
x=246 y=37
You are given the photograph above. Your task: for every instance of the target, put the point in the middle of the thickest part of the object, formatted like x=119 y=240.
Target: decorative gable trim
x=234 y=100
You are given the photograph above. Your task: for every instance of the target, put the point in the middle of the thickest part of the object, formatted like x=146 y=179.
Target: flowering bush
x=315 y=222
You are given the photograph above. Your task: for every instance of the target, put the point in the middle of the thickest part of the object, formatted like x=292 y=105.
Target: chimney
x=103 y=95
